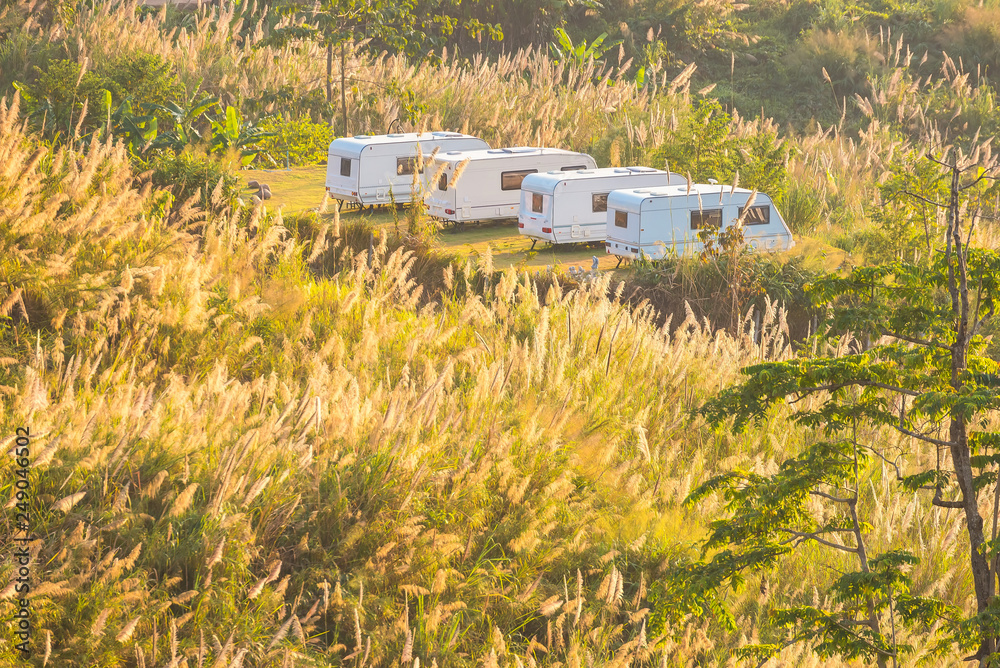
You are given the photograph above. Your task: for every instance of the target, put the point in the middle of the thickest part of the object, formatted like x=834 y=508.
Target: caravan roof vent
x=361 y=136
x=453 y=153
x=396 y=136
x=497 y=150
x=585 y=171
x=519 y=149
x=621 y=170
x=643 y=190
x=640 y=170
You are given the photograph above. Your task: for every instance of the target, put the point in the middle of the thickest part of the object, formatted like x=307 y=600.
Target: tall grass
x=261 y=447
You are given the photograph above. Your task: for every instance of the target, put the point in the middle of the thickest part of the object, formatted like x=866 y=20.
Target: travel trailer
x=571 y=207
x=378 y=169
x=489 y=186
x=652 y=222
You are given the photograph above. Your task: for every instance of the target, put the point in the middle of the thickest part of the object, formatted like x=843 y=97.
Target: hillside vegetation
x=258 y=443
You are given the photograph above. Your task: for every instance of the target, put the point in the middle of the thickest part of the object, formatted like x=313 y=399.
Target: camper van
x=378 y=169
x=490 y=183
x=652 y=222
x=571 y=207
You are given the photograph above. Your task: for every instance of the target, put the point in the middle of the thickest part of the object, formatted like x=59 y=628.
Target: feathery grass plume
x=216 y=556
x=281 y=633
x=255 y=490
x=65 y=504
x=48 y=648
x=127 y=630
x=459 y=170
x=407 y=656
x=270 y=577
x=183 y=501
x=150 y=490
x=357 y=631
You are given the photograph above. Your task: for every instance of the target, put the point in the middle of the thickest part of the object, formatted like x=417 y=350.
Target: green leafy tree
x=918 y=366
x=908 y=222
x=394 y=25
x=704 y=147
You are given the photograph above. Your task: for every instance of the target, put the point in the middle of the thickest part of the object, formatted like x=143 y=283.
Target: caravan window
x=706 y=218
x=621 y=218
x=536 y=202
x=512 y=180
x=345 y=166
x=443 y=182
x=573 y=168
x=599 y=202
x=406 y=166
x=756 y=215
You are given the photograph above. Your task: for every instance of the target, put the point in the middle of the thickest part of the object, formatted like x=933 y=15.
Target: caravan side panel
x=342 y=176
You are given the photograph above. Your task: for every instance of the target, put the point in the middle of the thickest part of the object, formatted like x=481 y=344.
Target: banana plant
x=580 y=53
x=138 y=130
x=232 y=132
x=185 y=116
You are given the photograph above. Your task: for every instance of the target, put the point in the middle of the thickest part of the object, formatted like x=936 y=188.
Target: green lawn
x=301 y=189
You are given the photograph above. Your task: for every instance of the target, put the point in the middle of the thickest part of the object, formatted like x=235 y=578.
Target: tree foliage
x=908 y=356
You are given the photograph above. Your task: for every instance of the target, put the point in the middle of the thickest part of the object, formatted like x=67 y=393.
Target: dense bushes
x=295 y=141
x=188 y=174
x=57 y=95
x=706 y=147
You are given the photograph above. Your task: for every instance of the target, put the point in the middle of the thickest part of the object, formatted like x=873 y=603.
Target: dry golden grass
x=242 y=460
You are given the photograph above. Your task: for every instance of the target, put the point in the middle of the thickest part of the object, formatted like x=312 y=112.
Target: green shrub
x=847 y=57
x=56 y=97
x=187 y=174
x=705 y=147
x=300 y=141
x=802 y=208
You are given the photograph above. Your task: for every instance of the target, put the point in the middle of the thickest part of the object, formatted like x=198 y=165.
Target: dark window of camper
x=706 y=218
x=621 y=218
x=512 y=180
x=574 y=168
x=756 y=215
x=599 y=202
x=536 y=202
x=345 y=166
x=406 y=165
x=443 y=182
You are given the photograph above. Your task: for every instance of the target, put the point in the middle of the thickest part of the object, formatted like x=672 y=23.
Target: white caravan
x=653 y=222
x=378 y=169
x=489 y=186
x=571 y=207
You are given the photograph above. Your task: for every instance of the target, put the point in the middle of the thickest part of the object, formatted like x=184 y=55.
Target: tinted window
x=621 y=218
x=536 y=202
x=756 y=215
x=706 y=218
x=406 y=165
x=443 y=182
x=512 y=180
x=574 y=168
x=345 y=166
x=599 y=202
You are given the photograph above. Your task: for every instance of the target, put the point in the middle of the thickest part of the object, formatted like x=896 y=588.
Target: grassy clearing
x=300 y=189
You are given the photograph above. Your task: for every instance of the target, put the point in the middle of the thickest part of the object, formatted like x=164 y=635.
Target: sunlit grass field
x=258 y=443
